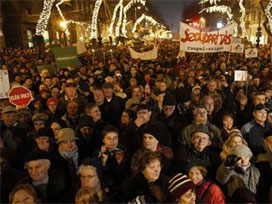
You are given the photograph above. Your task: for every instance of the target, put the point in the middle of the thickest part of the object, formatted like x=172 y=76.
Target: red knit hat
x=52 y=100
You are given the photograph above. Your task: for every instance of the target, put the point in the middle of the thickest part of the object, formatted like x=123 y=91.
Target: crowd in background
x=119 y=130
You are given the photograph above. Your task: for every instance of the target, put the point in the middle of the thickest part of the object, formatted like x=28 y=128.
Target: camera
x=111 y=151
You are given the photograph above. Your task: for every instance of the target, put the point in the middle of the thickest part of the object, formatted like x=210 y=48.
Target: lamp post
x=259 y=32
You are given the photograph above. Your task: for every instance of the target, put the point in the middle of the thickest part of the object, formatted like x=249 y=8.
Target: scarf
x=73 y=155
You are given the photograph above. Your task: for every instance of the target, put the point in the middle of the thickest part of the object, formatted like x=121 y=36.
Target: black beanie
x=37 y=155
x=154 y=130
x=85 y=121
x=168 y=100
x=45 y=131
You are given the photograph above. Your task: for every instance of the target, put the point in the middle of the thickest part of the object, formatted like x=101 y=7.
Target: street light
x=219 y=25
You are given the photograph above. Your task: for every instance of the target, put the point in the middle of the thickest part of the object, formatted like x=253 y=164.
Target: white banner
x=81 y=48
x=4 y=84
x=193 y=39
x=237 y=48
x=149 y=55
x=251 y=52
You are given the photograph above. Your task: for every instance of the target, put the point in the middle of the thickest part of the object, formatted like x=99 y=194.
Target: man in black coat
x=49 y=185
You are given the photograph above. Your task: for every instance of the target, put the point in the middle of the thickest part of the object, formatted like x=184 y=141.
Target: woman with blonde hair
x=86 y=195
x=235 y=138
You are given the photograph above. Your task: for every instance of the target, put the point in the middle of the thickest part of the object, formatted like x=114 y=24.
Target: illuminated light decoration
x=62 y=16
x=86 y=26
x=225 y=10
x=118 y=25
x=94 y=18
x=268 y=14
x=210 y=1
x=141 y=18
x=126 y=8
x=242 y=19
x=44 y=17
x=114 y=17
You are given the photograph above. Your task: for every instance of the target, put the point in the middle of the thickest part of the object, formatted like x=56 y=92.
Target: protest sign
x=237 y=48
x=4 y=83
x=81 y=48
x=65 y=57
x=193 y=39
x=149 y=55
x=251 y=52
x=240 y=75
x=20 y=96
x=51 y=68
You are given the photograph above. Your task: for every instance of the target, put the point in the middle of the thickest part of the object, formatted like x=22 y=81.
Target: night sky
x=173 y=11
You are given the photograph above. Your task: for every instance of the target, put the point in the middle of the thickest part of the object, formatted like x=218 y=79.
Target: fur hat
x=241 y=150
x=179 y=185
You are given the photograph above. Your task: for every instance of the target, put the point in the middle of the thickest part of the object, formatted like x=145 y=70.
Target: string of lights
x=44 y=17
x=242 y=19
x=117 y=29
x=114 y=17
x=94 y=18
x=268 y=14
x=126 y=8
x=210 y=1
x=141 y=18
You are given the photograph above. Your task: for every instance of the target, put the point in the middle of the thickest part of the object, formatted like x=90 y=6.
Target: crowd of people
x=120 y=130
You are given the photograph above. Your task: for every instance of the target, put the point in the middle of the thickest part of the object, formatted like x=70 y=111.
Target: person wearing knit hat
x=52 y=108
x=44 y=138
x=151 y=142
x=181 y=190
x=237 y=171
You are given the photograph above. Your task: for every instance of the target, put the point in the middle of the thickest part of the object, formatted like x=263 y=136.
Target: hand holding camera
x=231 y=161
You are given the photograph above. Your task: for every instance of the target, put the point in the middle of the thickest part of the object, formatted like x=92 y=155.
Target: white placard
x=251 y=52
x=237 y=48
x=81 y=48
x=240 y=75
x=193 y=39
x=4 y=84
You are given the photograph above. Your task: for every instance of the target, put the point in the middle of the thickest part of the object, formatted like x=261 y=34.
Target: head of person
x=201 y=138
x=44 y=138
x=88 y=176
x=208 y=103
x=181 y=190
x=260 y=113
x=45 y=73
x=163 y=86
x=24 y=193
x=150 y=165
x=108 y=90
x=39 y=120
x=52 y=104
x=151 y=137
x=196 y=172
x=9 y=116
x=127 y=116
x=218 y=102
x=55 y=92
x=86 y=126
x=38 y=164
x=86 y=195
x=24 y=115
x=110 y=137
x=67 y=140
x=168 y=104
x=72 y=108
x=228 y=121
x=93 y=111
x=137 y=92
x=259 y=98
x=48 y=81
x=70 y=88
x=144 y=112
x=98 y=96
x=56 y=125
x=267 y=141
x=212 y=85
x=200 y=115
x=243 y=153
